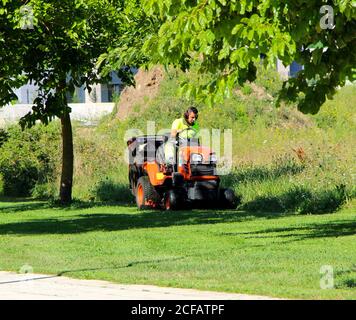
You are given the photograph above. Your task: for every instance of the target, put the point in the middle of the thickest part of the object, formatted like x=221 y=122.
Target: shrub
x=283 y=165
x=29 y=157
x=324 y=201
x=3 y=137
x=269 y=79
x=44 y=191
x=20 y=177
x=300 y=200
x=109 y=191
x=1 y=185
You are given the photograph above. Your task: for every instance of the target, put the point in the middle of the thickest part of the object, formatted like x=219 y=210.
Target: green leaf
x=240 y=56
x=224 y=52
x=317 y=45
x=236 y=29
x=316 y=55
x=250 y=35
x=210 y=36
x=208 y=13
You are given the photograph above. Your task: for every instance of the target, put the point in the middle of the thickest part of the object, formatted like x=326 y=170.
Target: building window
x=114 y=91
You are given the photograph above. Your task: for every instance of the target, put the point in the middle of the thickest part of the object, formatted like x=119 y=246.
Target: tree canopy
x=228 y=38
x=57 y=52
x=126 y=45
x=54 y=45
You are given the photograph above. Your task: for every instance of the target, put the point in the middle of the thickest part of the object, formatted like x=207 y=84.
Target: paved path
x=46 y=287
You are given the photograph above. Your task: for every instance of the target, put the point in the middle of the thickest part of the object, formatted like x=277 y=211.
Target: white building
x=106 y=92
x=289 y=71
x=86 y=107
x=100 y=92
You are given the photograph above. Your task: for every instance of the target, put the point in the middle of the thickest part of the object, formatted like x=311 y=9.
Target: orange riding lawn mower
x=189 y=181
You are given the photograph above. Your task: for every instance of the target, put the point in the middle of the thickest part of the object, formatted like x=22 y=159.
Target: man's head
x=191 y=115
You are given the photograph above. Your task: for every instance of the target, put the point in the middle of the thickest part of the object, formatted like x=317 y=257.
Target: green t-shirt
x=181 y=124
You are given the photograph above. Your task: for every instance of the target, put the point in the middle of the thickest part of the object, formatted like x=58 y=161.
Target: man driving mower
x=175 y=171
x=189 y=120
x=187 y=127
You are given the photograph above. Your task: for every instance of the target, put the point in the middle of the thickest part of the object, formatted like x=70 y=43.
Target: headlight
x=196 y=157
x=213 y=158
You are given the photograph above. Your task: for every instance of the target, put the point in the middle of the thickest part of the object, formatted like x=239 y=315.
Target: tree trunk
x=67 y=160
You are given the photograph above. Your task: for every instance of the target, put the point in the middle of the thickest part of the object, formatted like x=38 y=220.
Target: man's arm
x=175 y=128
x=174 y=133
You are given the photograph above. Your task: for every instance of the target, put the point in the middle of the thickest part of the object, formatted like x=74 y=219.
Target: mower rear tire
x=146 y=195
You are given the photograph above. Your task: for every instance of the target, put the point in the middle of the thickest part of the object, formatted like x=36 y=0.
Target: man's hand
x=174 y=133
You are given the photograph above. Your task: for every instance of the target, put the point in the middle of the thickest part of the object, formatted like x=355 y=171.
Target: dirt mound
x=256 y=91
x=147 y=86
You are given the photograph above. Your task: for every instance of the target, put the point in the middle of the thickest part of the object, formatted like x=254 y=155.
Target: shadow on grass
x=15 y=199
x=159 y=219
x=104 y=193
x=76 y=205
x=311 y=231
x=347 y=284
x=345 y=278
x=126 y=221
x=128 y=265
x=19 y=206
x=27 y=204
x=81 y=223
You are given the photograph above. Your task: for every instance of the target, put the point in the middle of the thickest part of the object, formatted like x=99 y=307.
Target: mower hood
x=186 y=153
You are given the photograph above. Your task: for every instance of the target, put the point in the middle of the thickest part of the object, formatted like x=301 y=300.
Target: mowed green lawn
x=232 y=251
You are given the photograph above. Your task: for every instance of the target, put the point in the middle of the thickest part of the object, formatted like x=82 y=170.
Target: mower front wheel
x=171 y=200
x=227 y=199
x=146 y=195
